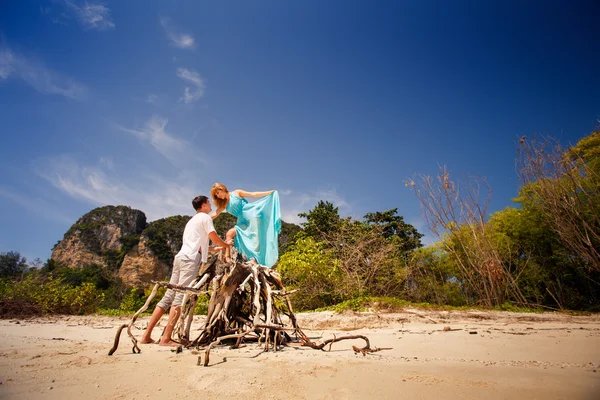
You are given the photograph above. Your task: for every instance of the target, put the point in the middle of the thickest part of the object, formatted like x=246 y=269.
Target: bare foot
x=169 y=343
x=146 y=341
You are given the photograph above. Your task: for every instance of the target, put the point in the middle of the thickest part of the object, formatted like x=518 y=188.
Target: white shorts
x=184 y=273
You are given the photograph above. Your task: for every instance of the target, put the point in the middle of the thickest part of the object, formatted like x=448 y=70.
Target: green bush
x=136 y=298
x=36 y=295
x=312 y=269
x=133 y=301
x=202 y=305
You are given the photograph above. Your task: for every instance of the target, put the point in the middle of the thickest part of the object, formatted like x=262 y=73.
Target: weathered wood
x=136 y=349
x=242 y=307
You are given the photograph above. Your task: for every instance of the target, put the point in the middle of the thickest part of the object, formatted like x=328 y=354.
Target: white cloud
x=156 y=196
x=193 y=93
x=42 y=79
x=107 y=162
x=294 y=203
x=177 y=151
x=36 y=205
x=152 y=99
x=91 y=16
x=178 y=39
x=60 y=19
x=6 y=63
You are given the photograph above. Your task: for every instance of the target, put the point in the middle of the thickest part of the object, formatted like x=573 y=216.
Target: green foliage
x=321 y=220
x=202 y=305
x=371 y=264
x=100 y=277
x=393 y=226
x=547 y=273
x=36 y=295
x=384 y=304
x=287 y=236
x=12 y=264
x=507 y=306
x=133 y=301
x=392 y=304
x=563 y=187
x=114 y=312
x=223 y=223
x=312 y=269
x=432 y=277
x=136 y=298
x=113 y=295
x=588 y=150
x=351 y=259
x=165 y=236
x=93 y=274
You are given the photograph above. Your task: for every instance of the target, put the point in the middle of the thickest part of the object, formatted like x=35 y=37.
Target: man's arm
x=217 y=240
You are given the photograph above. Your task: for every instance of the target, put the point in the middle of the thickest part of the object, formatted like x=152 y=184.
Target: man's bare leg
x=165 y=340
x=156 y=314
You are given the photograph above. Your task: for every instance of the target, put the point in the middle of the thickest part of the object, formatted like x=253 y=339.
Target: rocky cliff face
x=99 y=236
x=152 y=258
x=141 y=266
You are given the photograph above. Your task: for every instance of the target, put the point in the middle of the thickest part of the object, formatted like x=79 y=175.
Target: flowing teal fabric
x=257 y=228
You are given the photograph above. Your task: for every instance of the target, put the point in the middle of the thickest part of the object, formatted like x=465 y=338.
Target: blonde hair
x=220 y=203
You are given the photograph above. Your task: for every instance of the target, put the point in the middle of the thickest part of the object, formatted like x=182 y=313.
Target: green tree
x=588 y=151
x=320 y=220
x=546 y=272
x=371 y=264
x=223 y=223
x=433 y=278
x=393 y=226
x=12 y=264
x=165 y=236
x=311 y=268
x=564 y=187
x=456 y=211
x=287 y=236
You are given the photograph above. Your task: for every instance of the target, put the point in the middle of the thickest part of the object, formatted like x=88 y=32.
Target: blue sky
x=147 y=103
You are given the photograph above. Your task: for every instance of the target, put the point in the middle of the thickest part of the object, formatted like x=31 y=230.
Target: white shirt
x=195 y=237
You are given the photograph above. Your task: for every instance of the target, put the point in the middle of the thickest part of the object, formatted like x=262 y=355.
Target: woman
x=258 y=223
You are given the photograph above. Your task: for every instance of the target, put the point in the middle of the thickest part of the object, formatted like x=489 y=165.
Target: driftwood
x=248 y=302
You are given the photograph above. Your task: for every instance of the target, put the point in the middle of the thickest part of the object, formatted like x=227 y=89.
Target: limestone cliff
x=100 y=236
x=141 y=266
x=152 y=258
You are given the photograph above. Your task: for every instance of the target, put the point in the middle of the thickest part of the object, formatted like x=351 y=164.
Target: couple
x=254 y=235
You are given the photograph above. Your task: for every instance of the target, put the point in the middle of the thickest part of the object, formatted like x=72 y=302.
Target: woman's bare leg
x=229 y=236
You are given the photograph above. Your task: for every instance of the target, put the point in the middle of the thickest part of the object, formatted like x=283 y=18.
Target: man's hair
x=199 y=201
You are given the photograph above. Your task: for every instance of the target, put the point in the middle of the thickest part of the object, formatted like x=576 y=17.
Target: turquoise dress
x=257 y=228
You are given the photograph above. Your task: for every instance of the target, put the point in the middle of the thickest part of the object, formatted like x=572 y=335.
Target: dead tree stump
x=248 y=302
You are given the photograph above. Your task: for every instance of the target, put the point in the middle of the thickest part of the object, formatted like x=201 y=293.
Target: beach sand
x=433 y=355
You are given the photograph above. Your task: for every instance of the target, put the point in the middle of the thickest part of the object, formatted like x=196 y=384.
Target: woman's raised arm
x=243 y=193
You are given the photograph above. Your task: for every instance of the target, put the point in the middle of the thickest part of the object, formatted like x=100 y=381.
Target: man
x=195 y=248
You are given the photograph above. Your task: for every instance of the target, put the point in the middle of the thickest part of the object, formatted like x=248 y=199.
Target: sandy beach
x=433 y=355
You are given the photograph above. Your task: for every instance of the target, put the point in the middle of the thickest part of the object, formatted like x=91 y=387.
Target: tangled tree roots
x=248 y=302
